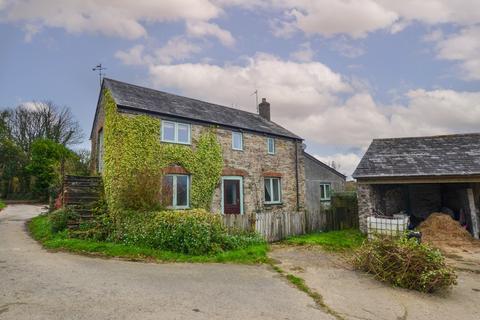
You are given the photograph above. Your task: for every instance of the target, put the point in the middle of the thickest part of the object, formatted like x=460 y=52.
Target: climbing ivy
x=134 y=159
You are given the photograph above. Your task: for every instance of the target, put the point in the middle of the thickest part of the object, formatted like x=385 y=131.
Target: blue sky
x=337 y=72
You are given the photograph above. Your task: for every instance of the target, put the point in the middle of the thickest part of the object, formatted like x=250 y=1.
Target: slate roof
x=446 y=155
x=326 y=166
x=134 y=98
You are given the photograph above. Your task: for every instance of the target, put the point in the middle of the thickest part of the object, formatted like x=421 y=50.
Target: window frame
x=174 y=191
x=328 y=197
x=273 y=145
x=233 y=140
x=175 y=132
x=272 y=201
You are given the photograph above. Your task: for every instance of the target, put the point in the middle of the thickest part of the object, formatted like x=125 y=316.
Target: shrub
x=194 y=232
x=405 y=263
x=59 y=219
x=2 y=205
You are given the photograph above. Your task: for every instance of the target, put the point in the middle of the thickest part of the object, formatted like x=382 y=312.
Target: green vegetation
x=332 y=241
x=41 y=229
x=134 y=158
x=2 y=205
x=405 y=263
x=34 y=150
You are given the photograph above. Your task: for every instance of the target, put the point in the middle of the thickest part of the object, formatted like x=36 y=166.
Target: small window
x=325 y=192
x=176 y=191
x=176 y=132
x=237 y=141
x=273 y=192
x=271 y=145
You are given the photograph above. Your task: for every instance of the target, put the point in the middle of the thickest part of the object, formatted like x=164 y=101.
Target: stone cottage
x=419 y=176
x=263 y=163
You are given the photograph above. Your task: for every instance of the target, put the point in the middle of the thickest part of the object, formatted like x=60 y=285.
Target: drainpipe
x=296 y=174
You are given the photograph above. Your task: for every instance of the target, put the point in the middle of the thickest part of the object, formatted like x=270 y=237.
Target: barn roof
x=446 y=155
x=134 y=98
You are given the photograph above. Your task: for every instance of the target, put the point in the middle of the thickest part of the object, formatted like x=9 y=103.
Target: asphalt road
x=36 y=284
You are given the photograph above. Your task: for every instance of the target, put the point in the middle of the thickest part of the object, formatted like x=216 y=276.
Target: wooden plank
x=473 y=212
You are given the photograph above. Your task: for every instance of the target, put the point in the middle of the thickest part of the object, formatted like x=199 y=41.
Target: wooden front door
x=231 y=196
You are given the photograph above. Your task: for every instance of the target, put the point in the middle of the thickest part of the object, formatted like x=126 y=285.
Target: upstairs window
x=176 y=191
x=271 y=145
x=176 y=132
x=237 y=140
x=325 y=192
x=273 y=190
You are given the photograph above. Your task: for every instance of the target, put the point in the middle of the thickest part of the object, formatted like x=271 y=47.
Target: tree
x=35 y=120
x=47 y=165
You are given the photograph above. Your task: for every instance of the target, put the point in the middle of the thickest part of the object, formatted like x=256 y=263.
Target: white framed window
x=237 y=140
x=176 y=132
x=271 y=145
x=273 y=190
x=325 y=192
x=176 y=191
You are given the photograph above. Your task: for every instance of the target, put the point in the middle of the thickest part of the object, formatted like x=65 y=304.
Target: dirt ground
x=356 y=295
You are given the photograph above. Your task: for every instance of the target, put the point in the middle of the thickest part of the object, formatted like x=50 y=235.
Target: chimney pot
x=264 y=109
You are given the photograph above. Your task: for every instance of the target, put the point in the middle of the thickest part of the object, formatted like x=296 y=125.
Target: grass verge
x=299 y=283
x=343 y=240
x=2 y=205
x=40 y=229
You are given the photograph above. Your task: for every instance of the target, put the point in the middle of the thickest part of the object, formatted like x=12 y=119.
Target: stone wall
x=253 y=163
x=97 y=126
x=366 y=201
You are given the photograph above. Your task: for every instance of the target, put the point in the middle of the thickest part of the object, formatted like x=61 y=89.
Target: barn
x=421 y=175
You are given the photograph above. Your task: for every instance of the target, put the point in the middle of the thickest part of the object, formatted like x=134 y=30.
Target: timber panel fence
x=275 y=226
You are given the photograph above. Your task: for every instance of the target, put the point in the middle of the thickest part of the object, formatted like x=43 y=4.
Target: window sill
x=271 y=204
x=237 y=149
x=173 y=142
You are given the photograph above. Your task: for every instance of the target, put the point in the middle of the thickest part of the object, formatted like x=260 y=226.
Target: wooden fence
x=274 y=226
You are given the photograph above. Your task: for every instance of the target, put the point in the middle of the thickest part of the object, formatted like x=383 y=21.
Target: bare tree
x=35 y=120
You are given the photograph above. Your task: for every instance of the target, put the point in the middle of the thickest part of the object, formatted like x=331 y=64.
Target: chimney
x=264 y=109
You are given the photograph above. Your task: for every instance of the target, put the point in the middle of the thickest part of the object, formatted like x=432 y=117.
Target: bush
x=405 y=263
x=2 y=205
x=59 y=219
x=193 y=232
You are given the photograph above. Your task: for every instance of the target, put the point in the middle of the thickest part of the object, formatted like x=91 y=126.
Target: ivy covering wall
x=134 y=158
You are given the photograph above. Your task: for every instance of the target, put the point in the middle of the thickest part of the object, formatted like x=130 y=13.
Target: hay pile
x=443 y=232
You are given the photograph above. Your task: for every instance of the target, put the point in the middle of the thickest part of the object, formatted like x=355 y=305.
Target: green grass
x=2 y=205
x=40 y=230
x=342 y=240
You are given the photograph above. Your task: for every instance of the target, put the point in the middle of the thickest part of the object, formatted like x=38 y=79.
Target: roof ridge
x=194 y=99
x=433 y=136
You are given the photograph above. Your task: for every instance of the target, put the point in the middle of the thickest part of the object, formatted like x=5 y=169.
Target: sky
x=339 y=73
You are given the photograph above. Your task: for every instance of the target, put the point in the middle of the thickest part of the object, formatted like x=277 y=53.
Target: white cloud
x=345 y=163
x=134 y=56
x=202 y=29
x=176 y=49
x=304 y=53
x=122 y=18
x=464 y=47
x=343 y=46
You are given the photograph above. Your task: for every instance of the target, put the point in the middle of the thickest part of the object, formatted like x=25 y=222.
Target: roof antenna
x=256 y=97
x=99 y=68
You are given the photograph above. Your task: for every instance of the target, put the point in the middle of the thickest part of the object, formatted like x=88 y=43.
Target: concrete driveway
x=356 y=295
x=36 y=284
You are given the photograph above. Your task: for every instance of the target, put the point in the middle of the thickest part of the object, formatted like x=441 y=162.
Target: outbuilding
x=421 y=175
